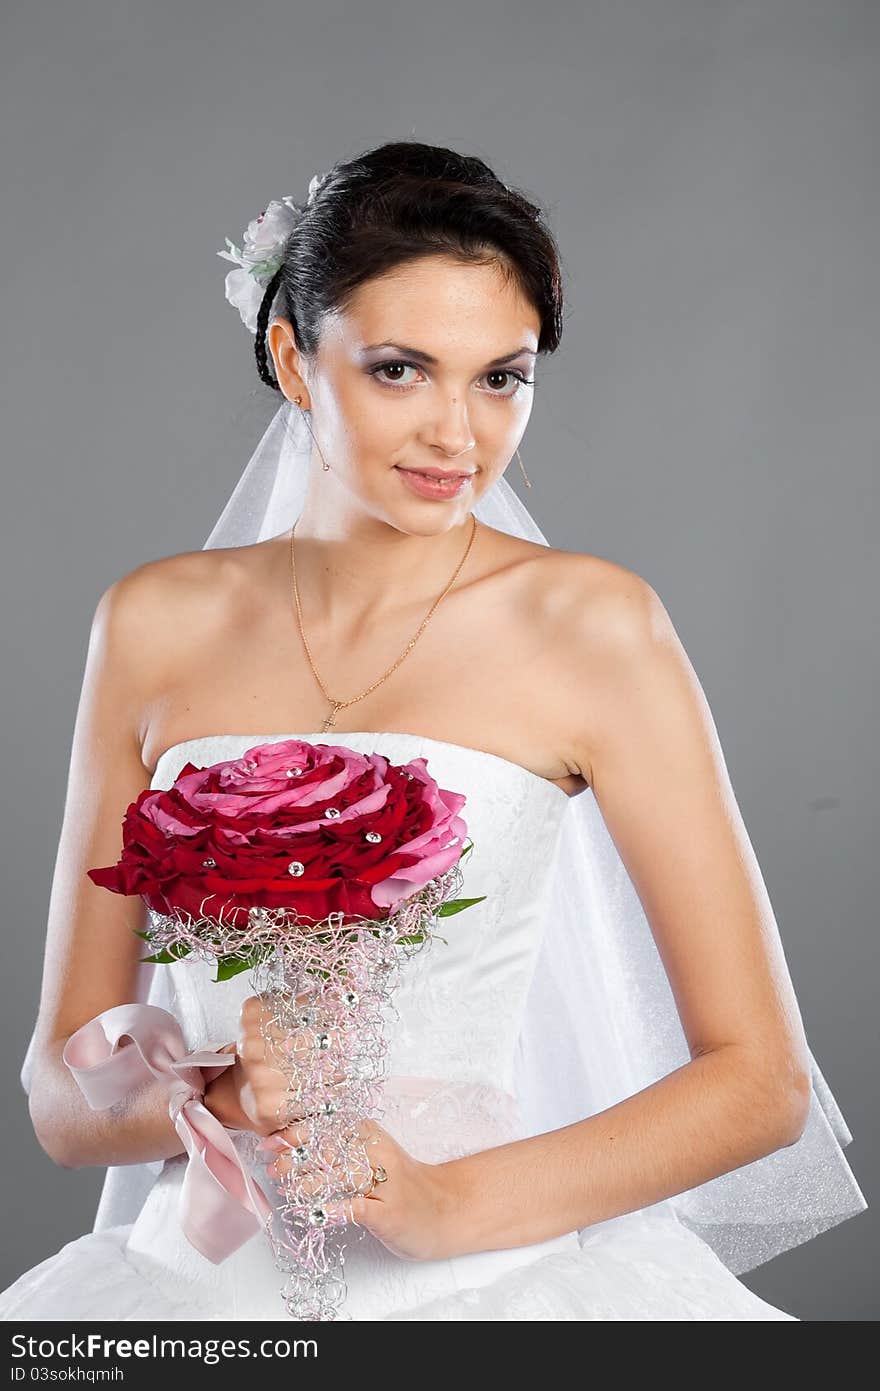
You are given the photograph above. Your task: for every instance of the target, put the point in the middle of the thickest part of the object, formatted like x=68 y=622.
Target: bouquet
x=320 y=870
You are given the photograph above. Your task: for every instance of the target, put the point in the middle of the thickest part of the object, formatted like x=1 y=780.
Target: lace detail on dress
x=437 y=1120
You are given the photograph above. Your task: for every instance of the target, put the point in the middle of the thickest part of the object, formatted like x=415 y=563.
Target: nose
x=452 y=433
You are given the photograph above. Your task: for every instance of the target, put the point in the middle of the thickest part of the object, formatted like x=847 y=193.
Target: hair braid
x=261 y=349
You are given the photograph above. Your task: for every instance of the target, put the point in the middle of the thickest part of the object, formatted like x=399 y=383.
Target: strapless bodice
x=458 y=1004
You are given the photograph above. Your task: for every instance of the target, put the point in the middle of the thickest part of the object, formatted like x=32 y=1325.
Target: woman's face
x=380 y=406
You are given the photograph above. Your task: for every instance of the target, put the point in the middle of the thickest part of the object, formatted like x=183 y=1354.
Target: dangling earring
x=320 y=451
x=522 y=469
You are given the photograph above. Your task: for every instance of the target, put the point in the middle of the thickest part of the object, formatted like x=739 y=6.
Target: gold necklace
x=342 y=704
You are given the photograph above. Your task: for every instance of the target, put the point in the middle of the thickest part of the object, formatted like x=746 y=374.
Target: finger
x=285 y=1108
x=300 y=1149
x=328 y=1160
x=358 y=1212
x=257 y=1008
x=270 y=1014
x=308 y=1183
x=301 y=1131
x=316 y=1172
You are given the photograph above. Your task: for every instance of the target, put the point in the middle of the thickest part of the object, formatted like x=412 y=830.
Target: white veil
x=601 y=1022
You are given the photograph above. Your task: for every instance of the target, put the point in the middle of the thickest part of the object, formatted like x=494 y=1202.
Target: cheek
x=378 y=438
x=371 y=449
x=498 y=433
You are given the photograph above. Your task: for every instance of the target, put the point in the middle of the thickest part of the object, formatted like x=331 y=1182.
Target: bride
x=671 y=1128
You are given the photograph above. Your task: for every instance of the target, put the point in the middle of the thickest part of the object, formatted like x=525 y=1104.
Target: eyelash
x=399 y=386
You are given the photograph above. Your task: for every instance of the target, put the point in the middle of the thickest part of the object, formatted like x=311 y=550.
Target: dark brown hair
x=395 y=204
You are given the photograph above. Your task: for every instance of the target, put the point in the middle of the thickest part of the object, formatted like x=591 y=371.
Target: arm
x=91 y=955
x=746 y=1090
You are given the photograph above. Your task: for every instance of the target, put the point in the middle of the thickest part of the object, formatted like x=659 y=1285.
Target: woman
x=401 y=318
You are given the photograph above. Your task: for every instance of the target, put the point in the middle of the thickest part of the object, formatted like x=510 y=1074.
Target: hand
x=411 y=1213
x=251 y=1094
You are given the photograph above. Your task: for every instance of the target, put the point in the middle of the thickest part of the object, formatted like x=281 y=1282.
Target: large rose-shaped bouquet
x=320 y=869
x=333 y=829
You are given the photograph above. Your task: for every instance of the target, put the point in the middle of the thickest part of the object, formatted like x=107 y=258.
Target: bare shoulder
x=161 y=614
x=596 y=610
x=609 y=608
x=190 y=577
x=608 y=634
x=605 y=608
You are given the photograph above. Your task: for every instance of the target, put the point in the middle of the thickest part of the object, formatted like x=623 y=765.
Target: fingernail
x=273 y=1142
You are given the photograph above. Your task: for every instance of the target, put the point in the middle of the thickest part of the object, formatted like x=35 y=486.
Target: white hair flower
x=262 y=251
x=259 y=257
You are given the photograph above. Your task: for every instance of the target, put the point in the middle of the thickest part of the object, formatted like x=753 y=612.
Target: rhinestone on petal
x=351 y=997
x=373 y=836
x=294 y=772
x=323 y=1040
x=300 y=1153
x=296 y=867
x=332 y=811
x=330 y=1107
x=318 y=1217
x=209 y=864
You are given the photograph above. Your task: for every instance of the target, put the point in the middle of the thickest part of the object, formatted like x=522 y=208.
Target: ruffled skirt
x=638 y=1267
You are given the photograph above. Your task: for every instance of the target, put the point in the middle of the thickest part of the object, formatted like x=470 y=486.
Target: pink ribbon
x=221 y=1207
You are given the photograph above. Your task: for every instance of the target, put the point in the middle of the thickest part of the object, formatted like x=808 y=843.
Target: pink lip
x=437 y=472
x=434 y=483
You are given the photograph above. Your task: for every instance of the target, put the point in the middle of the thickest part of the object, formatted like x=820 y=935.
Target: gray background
x=711 y=420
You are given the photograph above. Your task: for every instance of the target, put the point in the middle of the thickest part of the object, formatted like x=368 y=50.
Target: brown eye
x=393 y=367
x=517 y=379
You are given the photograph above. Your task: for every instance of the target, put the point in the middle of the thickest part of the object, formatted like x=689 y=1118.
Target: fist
x=255 y=1092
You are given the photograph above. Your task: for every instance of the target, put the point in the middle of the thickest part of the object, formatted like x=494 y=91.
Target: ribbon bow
x=221 y=1207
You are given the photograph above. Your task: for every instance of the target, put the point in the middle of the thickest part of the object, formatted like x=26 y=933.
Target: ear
x=287 y=361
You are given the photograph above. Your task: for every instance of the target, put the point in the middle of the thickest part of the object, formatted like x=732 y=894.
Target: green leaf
x=167 y=954
x=175 y=952
x=229 y=966
x=456 y=905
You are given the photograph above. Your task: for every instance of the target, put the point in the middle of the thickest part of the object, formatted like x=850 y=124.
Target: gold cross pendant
x=331 y=718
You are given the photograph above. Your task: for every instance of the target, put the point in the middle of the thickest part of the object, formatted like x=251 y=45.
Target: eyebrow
x=432 y=361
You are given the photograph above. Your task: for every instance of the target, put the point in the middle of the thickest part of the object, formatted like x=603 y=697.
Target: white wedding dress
x=449 y=1091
